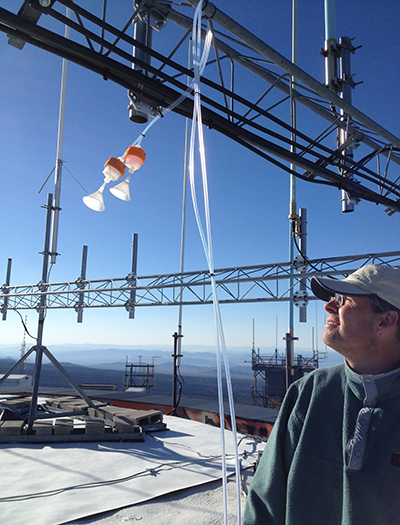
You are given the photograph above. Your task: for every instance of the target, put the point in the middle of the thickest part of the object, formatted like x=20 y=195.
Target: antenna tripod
x=39 y=348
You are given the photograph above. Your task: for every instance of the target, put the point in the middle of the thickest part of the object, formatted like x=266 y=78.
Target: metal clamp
x=300 y=298
x=78 y=307
x=300 y=264
x=42 y=286
x=130 y=305
x=80 y=283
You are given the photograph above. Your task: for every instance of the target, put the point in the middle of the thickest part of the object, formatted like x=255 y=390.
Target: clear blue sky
x=249 y=198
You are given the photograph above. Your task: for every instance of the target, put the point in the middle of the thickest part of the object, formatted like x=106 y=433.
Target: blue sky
x=249 y=198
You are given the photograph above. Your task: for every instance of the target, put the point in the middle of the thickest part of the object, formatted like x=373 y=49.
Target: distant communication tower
x=23 y=348
x=139 y=375
x=271 y=371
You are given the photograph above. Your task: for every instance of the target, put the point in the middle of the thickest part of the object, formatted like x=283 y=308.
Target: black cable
x=23 y=324
x=305 y=258
x=180 y=380
x=93 y=484
x=151 y=471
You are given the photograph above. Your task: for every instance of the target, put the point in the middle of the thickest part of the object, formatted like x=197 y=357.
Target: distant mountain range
x=104 y=364
x=195 y=359
x=195 y=382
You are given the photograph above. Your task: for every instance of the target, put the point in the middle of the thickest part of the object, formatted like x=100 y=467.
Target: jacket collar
x=369 y=388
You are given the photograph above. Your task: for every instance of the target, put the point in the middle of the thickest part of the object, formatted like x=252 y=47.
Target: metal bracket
x=391 y=211
x=137 y=105
x=157 y=21
x=300 y=298
x=131 y=277
x=347 y=44
x=80 y=283
x=78 y=307
x=42 y=286
x=130 y=305
x=300 y=264
x=41 y=309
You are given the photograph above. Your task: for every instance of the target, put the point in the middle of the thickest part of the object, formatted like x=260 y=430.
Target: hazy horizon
x=103 y=354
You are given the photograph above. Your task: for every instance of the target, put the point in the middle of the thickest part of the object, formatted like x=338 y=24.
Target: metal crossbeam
x=258 y=125
x=249 y=284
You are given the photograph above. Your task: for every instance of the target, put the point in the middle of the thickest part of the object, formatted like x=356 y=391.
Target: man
x=333 y=456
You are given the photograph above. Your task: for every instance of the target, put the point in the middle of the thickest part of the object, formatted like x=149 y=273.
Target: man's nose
x=331 y=306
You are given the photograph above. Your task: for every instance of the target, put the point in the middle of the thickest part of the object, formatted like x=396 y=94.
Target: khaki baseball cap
x=373 y=279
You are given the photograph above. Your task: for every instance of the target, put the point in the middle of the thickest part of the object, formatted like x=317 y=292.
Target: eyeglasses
x=339 y=299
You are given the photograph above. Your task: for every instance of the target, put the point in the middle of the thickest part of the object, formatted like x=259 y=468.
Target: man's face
x=351 y=328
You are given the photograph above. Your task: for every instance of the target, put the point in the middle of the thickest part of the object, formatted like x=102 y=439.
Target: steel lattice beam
x=249 y=284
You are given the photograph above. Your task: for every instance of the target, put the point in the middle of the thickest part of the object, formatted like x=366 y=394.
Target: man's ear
x=388 y=319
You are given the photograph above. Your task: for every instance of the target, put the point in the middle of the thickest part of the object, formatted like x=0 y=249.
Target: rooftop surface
x=201 y=505
x=173 y=476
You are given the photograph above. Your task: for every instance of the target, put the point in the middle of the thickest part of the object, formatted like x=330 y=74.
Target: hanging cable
x=202 y=65
x=199 y=62
x=24 y=324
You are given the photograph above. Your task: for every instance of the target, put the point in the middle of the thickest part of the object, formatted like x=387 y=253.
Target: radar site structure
x=269 y=372
x=139 y=375
x=154 y=79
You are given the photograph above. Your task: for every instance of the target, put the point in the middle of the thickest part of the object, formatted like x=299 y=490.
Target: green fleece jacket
x=333 y=457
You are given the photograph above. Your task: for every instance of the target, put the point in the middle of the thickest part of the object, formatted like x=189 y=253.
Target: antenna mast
x=23 y=348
